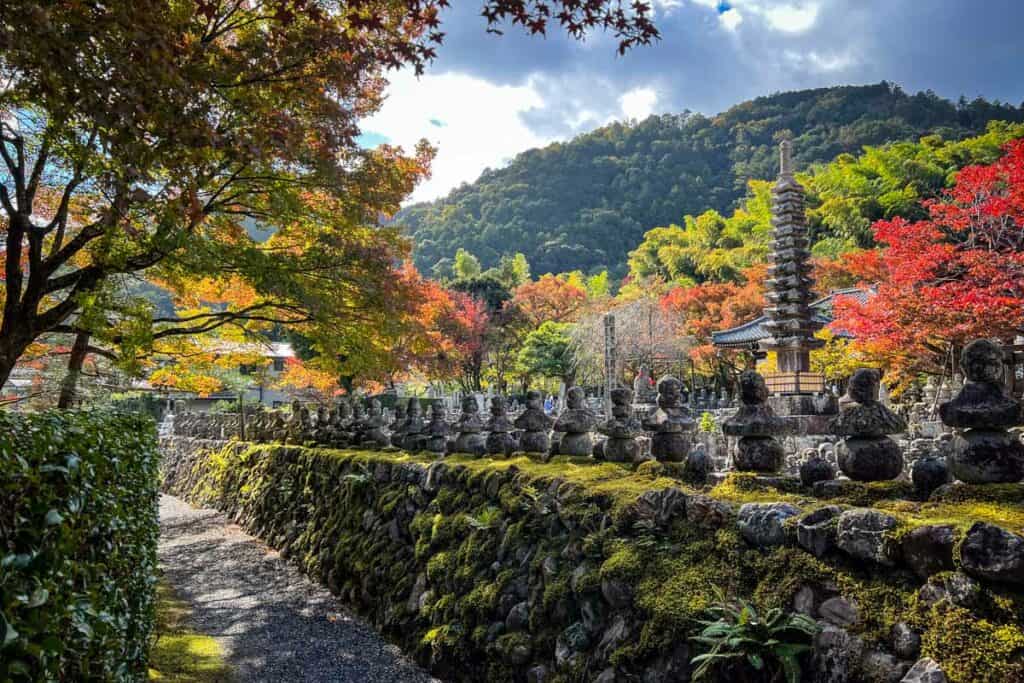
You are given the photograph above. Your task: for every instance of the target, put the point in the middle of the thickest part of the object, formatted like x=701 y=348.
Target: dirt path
x=274 y=623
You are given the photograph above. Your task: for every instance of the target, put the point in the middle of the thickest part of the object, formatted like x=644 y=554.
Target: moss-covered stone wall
x=513 y=570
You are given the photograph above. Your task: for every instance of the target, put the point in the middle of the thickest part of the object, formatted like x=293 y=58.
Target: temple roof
x=821 y=312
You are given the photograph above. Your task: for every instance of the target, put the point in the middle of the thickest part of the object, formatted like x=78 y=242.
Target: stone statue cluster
x=577 y=431
x=982 y=450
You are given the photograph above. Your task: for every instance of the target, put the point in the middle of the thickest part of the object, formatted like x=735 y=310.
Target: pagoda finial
x=785 y=158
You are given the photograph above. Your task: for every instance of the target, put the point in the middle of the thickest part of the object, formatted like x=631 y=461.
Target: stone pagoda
x=790 y=322
x=790 y=319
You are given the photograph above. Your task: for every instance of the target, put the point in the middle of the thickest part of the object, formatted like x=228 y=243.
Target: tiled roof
x=753 y=331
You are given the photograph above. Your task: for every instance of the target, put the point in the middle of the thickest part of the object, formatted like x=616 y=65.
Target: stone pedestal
x=670 y=423
x=535 y=425
x=756 y=426
x=867 y=453
x=575 y=424
x=985 y=452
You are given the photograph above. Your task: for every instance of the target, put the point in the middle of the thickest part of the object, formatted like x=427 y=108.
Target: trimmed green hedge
x=78 y=537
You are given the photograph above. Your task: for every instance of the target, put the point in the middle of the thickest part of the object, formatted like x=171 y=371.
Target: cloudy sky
x=488 y=97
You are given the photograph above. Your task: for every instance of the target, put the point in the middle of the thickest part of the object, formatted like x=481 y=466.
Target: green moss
x=438 y=567
x=623 y=564
x=313 y=501
x=972 y=650
x=180 y=654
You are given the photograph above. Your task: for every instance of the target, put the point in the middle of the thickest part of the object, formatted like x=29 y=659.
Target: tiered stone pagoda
x=789 y=281
x=414 y=427
x=575 y=424
x=535 y=425
x=790 y=318
x=397 y=426
x=622 y=430
x=437 y=430
x=670 y=423
x=373 y=435
x=470 y=427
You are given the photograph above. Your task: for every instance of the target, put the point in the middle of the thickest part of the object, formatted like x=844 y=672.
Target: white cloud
x=819 y=62
x=730 y=19
x=481 y=124
x=788 y=17
x=792 y=18
x=638 y=103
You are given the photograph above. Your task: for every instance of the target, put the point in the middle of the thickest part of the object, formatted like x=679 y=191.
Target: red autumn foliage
x=549 y=298
x=710 y=306
x=957 y=276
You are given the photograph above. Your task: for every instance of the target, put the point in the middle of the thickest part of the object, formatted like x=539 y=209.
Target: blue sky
x=488 y=97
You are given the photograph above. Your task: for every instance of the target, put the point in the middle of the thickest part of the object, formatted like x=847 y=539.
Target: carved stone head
x=864 y=385
x=753 y=390
x=574 y=398
x=982 y=361
x=670 y=392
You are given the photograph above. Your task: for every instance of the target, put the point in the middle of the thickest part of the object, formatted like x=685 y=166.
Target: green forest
x=585 y=204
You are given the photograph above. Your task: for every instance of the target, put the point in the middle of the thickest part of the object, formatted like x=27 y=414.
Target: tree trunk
x=79 y=350
x=12 y=346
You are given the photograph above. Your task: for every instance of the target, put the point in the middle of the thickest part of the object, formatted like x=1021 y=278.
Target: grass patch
x=179 y=654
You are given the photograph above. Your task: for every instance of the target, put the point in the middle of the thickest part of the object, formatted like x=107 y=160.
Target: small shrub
x=78 y=535
x=751 y=647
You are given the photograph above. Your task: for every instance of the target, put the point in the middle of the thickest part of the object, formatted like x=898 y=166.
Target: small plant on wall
x=743 y=645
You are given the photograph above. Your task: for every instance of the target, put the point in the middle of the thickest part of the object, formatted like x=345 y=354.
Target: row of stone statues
x=984 y=452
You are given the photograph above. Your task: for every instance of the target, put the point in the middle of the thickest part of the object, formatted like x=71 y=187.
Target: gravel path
x=274 y=623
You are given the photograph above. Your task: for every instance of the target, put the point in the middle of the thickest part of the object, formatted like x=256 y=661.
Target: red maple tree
x=957 y=276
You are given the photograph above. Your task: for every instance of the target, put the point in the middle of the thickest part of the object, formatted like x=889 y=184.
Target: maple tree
x=954 y=276
x=710 y=306
x=466 y=326
x=179 y=128
x=309 y=380
x=549 y=298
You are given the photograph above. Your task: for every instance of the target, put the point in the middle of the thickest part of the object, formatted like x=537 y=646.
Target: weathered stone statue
x=815 y=467
x=643 y=387
x=985 y=453
x=575 y=424
x=499 y=429
x=621 y=429
x=670 y=422
x=867 y=453
x=373 y=435
x=437 y=430
x=322 y=430
x=415 y=428
x=334 y=425
x=358 y=424
x=470 y=427
x=756 y=425
x=278 y=427
x=535 y=425
x=299 y=427
x=398 y=425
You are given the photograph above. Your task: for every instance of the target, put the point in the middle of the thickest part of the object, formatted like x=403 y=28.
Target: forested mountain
x=586 y=203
